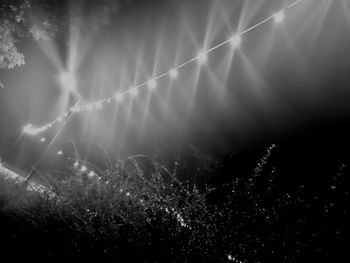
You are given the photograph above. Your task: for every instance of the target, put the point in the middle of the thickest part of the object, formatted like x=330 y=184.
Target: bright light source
x=202 y=57
x=83 y=168
x=68 y=81
x=91 y=174
x=278 y=17
x=133 y=91
x=89 y=107
x=173 y=73
x=235 y=41
x=76 y=164
x=43 y=139
x=152 y=84
x=59 y=152
x=75 y=108
x=118 y=97
x=31 y=130
x=98 y=105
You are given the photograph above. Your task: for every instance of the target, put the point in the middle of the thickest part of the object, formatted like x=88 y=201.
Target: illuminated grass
x=138 y=210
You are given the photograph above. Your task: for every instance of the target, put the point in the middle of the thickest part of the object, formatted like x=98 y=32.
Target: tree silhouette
x=45 y=20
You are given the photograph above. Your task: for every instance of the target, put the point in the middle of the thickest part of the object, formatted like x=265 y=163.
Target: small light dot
x=91 y=174
x=133 y=91
x=118 y=97
x=59 y=153
x=173 y=73
x=76 y=164
x=202 y=57
x=98 y=105
x=152 y=84
x=75 y=108
x=83 y=169
x=236 y=41
x=30 y=129
x=43 y=139
x=278 y=17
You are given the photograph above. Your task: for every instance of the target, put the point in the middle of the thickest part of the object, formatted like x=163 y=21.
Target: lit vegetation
x=139 y=211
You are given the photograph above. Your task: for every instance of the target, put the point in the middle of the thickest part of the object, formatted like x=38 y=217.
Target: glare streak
x=133 y=91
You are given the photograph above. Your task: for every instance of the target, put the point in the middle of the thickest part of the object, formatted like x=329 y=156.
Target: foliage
x=43 y=20
x=11 y=28
x=137 y=210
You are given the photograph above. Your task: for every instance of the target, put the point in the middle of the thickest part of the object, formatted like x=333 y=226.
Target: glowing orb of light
x=42 y=139
x=68 y=81
x=98 y=105
x=75 y=108
x=118 y=97
x=76 y=164
x=89 y=107
x=235 y=41
x=152 y=84
x=202 y=57
x=91 y=174
x=133 y=91
x=173 y=73
x=59 y=152
x=31 y=130
x=278 y=17
x=83 y=168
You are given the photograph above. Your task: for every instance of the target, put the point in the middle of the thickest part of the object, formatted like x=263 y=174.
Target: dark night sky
x=286 y=81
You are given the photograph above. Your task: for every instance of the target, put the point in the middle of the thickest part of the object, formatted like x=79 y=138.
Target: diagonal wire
x=167 y=73
x=31 y=173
